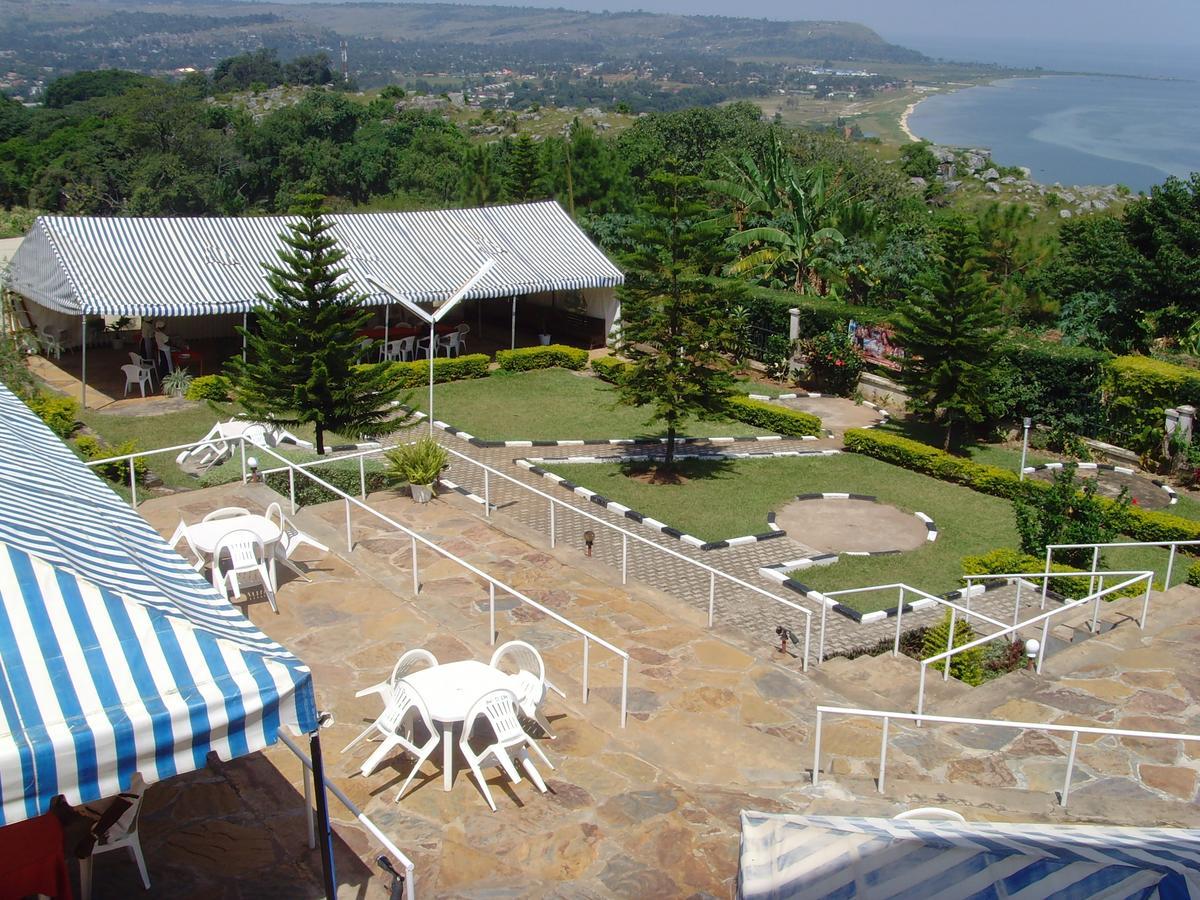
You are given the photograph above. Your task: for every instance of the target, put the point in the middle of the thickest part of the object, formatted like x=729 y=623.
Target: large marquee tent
x=116 y=656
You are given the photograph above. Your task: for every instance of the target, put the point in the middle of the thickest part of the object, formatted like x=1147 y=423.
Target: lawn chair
x=409 y=662
x=246 y=557
x=181 y=534
x=218 y=445
x=529 y=679
x=451 y=343
x=291 y=540
x=120 y=833
x=499 y=707
x=137 y=359
x=136 y=375
x=397 y=726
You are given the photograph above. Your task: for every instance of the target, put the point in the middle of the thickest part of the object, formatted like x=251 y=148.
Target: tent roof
x=115 y=655
x=203 y=266
x=820 y=856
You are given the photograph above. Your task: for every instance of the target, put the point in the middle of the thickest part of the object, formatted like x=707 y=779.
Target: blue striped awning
x=115 y=655
x=206 y=266
x=827 y=857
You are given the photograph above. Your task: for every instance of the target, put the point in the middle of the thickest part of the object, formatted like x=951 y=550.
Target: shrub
x=1193 y=574
x=772 y=417
x=217 y=388
x=91 y=447
x=1139 y=389
x=552 y=356
x=1052 y=383
x=417 y=463
x=769 y=311
x=458 y=368
x=834 y=363
x=609 y=368
x=57 y=412
x=1005 y=561
x=1068 y=513
x=343 y=475
x=967 y=666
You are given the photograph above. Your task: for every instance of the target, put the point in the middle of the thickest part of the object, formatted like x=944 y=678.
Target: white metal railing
x=1042 y=618
x=1096 y=548
x=131 y=457
x=1073 y=730
x=292 y=468
x=905 y=590
x=410 y=879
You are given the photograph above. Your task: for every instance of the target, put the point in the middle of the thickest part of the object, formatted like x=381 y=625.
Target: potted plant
x=418 y=465
x=115 y=329
x=176 y=384
x=544 y=333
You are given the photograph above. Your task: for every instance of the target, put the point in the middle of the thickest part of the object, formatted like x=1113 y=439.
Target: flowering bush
x=834 y=363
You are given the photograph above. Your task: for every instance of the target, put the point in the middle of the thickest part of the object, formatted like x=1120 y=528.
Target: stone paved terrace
x=717 y=724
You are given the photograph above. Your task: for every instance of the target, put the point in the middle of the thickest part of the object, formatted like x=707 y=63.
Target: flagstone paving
x=717 y=723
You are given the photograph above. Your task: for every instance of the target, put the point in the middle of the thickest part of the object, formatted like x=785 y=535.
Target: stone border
x=931 y=531
x=884 y=415
x=531 y=464
x=1108 y=467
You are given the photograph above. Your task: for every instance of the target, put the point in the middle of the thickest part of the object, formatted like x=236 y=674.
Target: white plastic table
x=449 y=691
x=206 y=535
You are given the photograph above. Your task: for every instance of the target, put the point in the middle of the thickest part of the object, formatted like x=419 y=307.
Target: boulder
x=1025 y=171
x=990 y=175
x=1099 y=205
x=943 y=154
x=974 y=161
x=918 y=182
x=992 y=186
x=1085 y=206
x=953 y=185
x=1064 y=214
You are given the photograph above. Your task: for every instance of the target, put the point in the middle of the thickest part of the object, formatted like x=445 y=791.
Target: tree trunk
x=320 y=439
x=670 y=459
x=949 y=430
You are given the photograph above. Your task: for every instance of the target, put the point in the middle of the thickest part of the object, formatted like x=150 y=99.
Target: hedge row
x=210 y=387
x=774 y=418
x=1004 y=562
x=769 y=310
x=458 y=368
x=609 y=368
x=1140 y=524
x=343 y=475
x=551 y=356
x=1139 y=389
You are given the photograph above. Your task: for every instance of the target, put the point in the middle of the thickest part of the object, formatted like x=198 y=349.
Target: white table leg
x=447 y=756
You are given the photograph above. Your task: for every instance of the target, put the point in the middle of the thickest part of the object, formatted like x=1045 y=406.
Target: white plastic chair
x=451 y=342
x=931 y=814
x=396 y=725
x=181 y=534
x=121 y=835
x=164 y=350
x=226 y=512
x=222 y=438
x=525 y=665
x=136 y=375
x=423 y=347
x=246 y=557
x=499 y=707
x=401 y=350
x=52 y=341
x=137 y=359
x=409 y=662
x=291 y=539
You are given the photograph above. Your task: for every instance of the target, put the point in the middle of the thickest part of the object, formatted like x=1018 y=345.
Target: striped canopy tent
x=786 y=856
x=116 y=656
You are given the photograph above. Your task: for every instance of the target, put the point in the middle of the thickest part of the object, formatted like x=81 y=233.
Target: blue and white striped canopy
x=115 y=655
x=822 y=857
x=205 y=266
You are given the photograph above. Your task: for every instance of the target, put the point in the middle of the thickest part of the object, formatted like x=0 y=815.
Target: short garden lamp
x=1028 y=423
x=589 y=538
x=1032 y=646
x=252 y=464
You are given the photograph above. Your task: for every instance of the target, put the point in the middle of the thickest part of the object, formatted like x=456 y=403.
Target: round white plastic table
x=206 y=535
x=449 y=691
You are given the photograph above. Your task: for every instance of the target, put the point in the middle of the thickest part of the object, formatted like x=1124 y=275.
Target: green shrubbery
x=1139 y=389
x=91 y=447
x=57 y=412
x=1193 y=574
x=552 y=356
x=966 y=666
x=834 y=362
x=609 y=368
x=417 y=463
x=1014 y=562
x=772 y=417
x=217 y=388
x=458 y=368
x=343 y=475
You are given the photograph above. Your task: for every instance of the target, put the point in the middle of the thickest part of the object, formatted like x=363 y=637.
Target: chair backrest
x=499 y=707
x=403 y=699
x=275 y=514
x=520 y=656
x=931 y=813
x=245 y=550
x=464 y=328
x=453 y=340
x=126 y=823
x=406 y=344
x=411 y=661
x=226 y=512
x=135 y=359
x=134 y=374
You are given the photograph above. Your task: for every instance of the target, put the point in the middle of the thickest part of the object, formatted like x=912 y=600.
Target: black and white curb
x=533 y=467
x=1104 y=467
x=613 y=442
x=884 y=415
x=931 y=531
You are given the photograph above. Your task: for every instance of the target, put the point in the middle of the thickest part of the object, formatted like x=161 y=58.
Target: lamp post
x=436 y=316
x=1025 y=446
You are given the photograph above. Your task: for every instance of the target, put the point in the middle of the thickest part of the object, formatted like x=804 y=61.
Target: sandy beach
x=904 y=120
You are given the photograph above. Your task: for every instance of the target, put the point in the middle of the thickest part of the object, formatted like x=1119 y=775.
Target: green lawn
x=988 y=454
x=1187 y=507
x=551 y=404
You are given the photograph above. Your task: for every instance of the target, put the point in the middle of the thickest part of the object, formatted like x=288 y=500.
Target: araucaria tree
x=947 y=328
x=301 y=362
x=674 y=321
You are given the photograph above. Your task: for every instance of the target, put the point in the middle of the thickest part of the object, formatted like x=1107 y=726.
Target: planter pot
x=544 y=340
x=118 y=343
x=422 y=493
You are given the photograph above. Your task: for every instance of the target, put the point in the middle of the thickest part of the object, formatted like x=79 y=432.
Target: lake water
x=1074 y=129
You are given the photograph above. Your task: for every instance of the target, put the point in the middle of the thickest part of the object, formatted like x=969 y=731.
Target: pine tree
x=523 y=177
x=300 y=365
x=674 y=321
x=947 y=329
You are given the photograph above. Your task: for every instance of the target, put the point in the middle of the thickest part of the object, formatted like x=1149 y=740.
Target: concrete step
x=885 y=682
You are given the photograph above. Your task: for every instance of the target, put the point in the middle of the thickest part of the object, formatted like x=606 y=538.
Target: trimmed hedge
x=552 y=356
x=609 y=368
x=779 y=419
x=342 y=475
x=769 y=311
x=1003 y=561
x=1140 y=524
x=210 y=387
x=1139 y=389
x=1193 y=575
x=91 y=448
x=56 y=411
x=458 y=368
x=1049 y=382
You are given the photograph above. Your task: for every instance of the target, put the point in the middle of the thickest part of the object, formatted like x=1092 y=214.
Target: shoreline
x=908 y=111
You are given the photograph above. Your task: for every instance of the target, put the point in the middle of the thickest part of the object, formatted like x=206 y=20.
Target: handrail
x=1044 y=618
x=410 y=878
x=493 y=582
x=1073 y=730
x=1097 y=547
x=626 y=535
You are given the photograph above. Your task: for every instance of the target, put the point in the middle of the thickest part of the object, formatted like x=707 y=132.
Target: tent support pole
x=387 y=327
x=432 y=348
x=513 y=345
x=245 y=319
x=83 y=370
x=322 y=813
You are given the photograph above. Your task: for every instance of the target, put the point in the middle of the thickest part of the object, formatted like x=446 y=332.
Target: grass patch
x=552 y=404
x=981 y=452
x=1187 y=508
